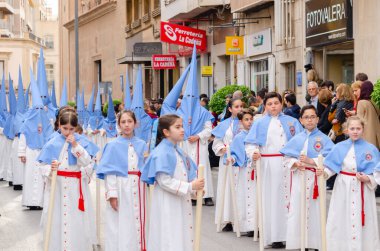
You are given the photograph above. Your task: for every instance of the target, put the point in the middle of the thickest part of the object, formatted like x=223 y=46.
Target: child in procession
x=69 y=154
x=301 y=155
x=224 y=133
x=120 y=166
x=352 y=216
x=246 y=182
x=174 y=175
x=269 y=134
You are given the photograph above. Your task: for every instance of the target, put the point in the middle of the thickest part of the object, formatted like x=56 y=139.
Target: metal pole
x=76 y=49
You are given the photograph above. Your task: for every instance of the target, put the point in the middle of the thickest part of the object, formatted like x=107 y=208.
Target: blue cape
x=366 y=156
x=318 y=143
x=164 y=159
x=114 y=159
x=258 y=133
x=53 y=148
x=220 y=130
x=238 y=149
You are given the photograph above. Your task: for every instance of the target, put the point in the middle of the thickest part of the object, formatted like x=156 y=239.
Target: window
x=290 y=76
x=259 y=75
x=146 y=6
x=136 y=10
x=129 y=11
x=2 y=65
x=49 y=41
x=49 y=73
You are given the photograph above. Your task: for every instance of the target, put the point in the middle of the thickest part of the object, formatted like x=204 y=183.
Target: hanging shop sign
x=328 y=22
x=234 y=45
x=162 y=62
x=183 y=35
x=206 y=71
x=258 y=43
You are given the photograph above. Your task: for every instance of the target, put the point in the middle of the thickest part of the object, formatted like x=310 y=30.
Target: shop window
x=290 y=76
x=259 y=74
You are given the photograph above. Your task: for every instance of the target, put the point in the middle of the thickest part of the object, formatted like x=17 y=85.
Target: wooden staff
x=97 y=195
x=233 y=194
x=322 y=202
x=256 y=226
x=303 y=208
x=198 y=212
x=51 y=201
x=220 y=202
x=259 y=202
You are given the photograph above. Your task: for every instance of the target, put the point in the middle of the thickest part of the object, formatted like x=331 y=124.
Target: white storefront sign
x=258 y=43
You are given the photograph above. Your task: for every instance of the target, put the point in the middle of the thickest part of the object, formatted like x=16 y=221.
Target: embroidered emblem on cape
x=318 y=146
x=39 y=128
x=292 y=130
x=368 y=156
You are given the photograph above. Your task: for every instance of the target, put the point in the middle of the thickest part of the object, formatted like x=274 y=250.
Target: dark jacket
x=293 y=111
x=323 y=124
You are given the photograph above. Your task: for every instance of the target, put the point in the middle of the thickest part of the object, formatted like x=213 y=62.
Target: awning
x=134 y=60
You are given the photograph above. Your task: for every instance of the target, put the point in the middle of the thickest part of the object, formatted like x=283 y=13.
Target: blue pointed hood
x=96 y=119
x=53 y=97
x=109 y=124
x=63 y=100
x=90 y=105
x=12 y=98
x=36 y=127
x=144 y=122
x=170 y=103
x=42 y=80
x=127 y=93
x=193 y=114
x=21 y=107
x=3 y=97
x=27 y=97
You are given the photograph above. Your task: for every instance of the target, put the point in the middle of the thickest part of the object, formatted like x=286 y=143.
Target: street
x=20 y=229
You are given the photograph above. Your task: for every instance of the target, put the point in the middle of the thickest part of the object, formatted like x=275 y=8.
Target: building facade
x=22 y=34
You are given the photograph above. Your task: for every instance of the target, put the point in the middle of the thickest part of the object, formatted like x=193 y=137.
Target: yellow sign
x=206 y=71
x=234 y=45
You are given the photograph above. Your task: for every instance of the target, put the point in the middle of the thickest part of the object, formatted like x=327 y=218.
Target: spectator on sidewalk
x=324 y=98
x=292 y=108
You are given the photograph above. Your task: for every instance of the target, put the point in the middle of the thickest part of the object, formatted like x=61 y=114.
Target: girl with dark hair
x=224 y=133
x=174 y=175
x=120 y=167
x=69 y=154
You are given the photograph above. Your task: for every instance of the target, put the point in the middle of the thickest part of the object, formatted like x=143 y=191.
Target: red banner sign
x=183 y=35
x=160 y=62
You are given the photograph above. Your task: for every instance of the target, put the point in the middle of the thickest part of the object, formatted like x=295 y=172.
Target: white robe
x=344 y=228
x=7 y=160
x=124 y=228
x=313 y=226
x=33 y=186
x=246 y=197
x=218 y=144
x=2 y=152
x=71 y=229
x=275 y=182
x=198 y=152
x=171 y=217
x=17 y=165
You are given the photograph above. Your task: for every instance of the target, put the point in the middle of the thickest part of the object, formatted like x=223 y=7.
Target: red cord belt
x=77 y=175
x=315 y=190
x=142 y=220
x=361 y=193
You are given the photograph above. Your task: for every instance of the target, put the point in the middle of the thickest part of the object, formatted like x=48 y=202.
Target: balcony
x=183 y=9
x=6 y=6
x=6 y=29
x=146 y=18
x=36 y=39
x=156 y=12
x=243 y=5
x=136 y=24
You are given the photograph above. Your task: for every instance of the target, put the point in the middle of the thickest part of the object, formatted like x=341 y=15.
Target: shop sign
x=234 y=45
x=183 y=35
x=206 y=71
x=258 y=43
x=328 y=22
x=147 y=49
x=162 y=62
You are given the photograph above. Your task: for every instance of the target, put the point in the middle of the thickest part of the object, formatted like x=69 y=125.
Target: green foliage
x=71 y=103
x=105 y=106
x=376 y=93
x=217 y=102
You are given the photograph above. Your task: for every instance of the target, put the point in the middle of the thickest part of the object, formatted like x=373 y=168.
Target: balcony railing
x=156 y=12
x=146 y=18
x=136 y=23
x=6 y=6
x=36 y=39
